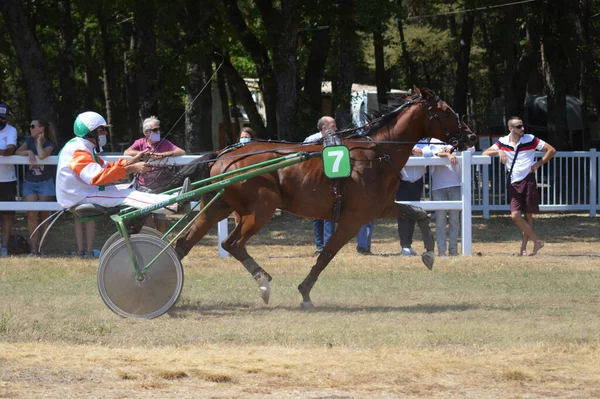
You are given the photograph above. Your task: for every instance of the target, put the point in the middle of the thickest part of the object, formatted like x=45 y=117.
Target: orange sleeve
x=114 y=171
x=93 y=172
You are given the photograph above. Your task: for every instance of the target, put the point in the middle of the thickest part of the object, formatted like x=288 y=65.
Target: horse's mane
x=379 y=119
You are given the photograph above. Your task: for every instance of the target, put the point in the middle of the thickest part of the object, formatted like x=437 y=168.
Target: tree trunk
x=411 y=72
x=313 y=78
x=198 y=114
x=342 y=84
x=589 y=81
x=489 y=61
x=107 y=74
x=462 y=64
x=131 y=94
x=380 y=78
x=260 y=56
x=244 y=96
x=230 y=136
x=511 y=107
x=66 y=72
x=553 y=61
x=31 y=60
x=145 y=16
x=282 y=31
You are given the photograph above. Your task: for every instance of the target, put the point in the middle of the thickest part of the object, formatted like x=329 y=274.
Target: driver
x=82 y=177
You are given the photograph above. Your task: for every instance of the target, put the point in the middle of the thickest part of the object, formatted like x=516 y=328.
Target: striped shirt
x=528 y=145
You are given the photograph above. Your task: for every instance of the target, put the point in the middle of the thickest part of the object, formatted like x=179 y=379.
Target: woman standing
x=38 y=182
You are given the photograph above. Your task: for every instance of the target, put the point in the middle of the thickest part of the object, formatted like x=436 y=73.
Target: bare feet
x=539 y=244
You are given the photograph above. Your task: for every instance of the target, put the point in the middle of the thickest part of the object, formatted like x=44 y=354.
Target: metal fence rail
x=569 y=182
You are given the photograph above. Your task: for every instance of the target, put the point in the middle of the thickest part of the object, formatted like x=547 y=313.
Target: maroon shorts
x=524 y=196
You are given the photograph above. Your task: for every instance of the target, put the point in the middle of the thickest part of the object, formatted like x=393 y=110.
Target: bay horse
x=302 y=189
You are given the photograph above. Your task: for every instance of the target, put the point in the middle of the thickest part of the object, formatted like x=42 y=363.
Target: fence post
x=593 y=182
x=486 y=191
x=466 y=203
x=222 y=234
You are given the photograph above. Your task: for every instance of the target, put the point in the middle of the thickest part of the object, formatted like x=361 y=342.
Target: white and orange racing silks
x=80 y=172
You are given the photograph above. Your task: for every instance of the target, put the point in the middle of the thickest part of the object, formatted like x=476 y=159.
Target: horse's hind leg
x=235 y=244
x=419 y=215
x=218 y=211
x=345 y=231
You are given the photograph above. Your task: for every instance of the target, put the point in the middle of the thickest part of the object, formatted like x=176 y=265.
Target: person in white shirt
x=8 y=176
x=446 y=181
x=411 y=189
x=517 y=152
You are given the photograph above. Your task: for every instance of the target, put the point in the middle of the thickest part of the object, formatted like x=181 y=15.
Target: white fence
x=569 y=182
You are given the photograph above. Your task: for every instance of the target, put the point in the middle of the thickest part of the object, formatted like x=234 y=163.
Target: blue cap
x=3 y=111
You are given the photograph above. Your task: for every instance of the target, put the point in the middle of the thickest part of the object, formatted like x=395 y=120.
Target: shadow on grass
x=224 y=309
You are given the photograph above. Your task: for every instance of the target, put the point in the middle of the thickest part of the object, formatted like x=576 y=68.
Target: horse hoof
x=307 y=305
x=263 y=288
x=428 y=258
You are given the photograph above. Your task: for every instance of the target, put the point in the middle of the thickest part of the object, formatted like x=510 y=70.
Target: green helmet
x=86 y=122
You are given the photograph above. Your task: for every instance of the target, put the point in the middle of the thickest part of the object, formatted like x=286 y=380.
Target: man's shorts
x=8 y=192
x=43 y=188
x=524 y=196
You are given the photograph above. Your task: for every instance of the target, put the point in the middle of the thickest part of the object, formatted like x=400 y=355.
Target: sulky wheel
x=146 y=296
x=112 y=239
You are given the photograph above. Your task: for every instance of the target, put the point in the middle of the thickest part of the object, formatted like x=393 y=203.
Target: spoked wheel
x=112 y=239
x=146 y=296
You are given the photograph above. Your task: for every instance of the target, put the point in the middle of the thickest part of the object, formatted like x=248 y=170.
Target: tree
x=32 y=62
x=554 y=59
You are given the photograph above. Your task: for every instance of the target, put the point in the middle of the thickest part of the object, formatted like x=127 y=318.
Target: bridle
x=454 y=138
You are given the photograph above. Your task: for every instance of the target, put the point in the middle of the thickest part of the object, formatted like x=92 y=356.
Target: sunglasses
x=155 y=130
x=518 y=127
x=33 y=126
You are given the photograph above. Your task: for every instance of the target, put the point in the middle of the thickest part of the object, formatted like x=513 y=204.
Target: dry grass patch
x=494 y=325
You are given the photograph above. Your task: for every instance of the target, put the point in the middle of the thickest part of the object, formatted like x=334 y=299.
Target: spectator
x=85 y=245
x=322 y=229
x=411 y=189
x=82 y=177
x=8 y=177
x=363 y=239
x=446 y=183
x=517 y=152
x=247 y=134
x=38 y=182
x=157 y=148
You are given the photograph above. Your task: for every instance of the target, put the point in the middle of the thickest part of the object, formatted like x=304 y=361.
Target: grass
x=494 y=325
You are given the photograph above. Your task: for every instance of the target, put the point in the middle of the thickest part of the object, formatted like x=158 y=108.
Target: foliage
x=431 y=30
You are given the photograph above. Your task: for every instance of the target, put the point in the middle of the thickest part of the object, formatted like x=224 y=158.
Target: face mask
x=155 y=137
x=102 y=140
x=245 y=140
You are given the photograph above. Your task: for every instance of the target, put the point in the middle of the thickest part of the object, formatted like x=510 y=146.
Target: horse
x=302 y=189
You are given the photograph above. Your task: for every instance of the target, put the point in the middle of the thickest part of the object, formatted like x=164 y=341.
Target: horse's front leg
x=419 y=215
x=343 y=233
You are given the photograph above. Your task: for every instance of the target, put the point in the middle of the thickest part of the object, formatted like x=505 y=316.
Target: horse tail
x=197 y=170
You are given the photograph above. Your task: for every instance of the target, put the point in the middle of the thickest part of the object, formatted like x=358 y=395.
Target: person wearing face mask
x=156 y=148
x=8 y=176
x=247 y=134
x=82 y=177
x=38 y=182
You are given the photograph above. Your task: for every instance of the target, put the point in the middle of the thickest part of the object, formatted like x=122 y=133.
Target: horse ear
x=426 y=93
x=416 y=90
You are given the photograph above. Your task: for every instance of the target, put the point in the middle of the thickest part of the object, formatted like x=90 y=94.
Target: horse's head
x=445 y=124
